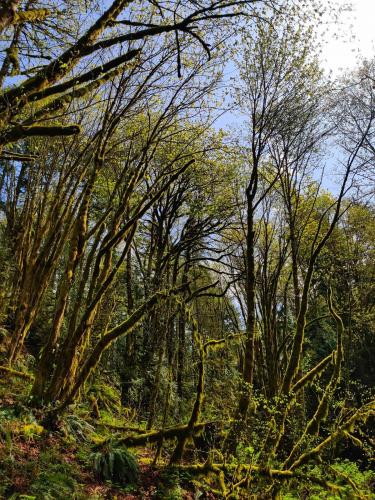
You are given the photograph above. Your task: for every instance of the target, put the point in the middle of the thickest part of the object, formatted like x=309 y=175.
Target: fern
x=77 y=427
x=116 y=464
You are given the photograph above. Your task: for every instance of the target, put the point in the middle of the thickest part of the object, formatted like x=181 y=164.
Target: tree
x=276 y=70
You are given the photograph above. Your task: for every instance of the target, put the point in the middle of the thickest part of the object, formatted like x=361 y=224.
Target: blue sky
x=344 y=45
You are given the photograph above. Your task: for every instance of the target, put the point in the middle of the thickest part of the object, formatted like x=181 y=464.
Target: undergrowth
x=84 y=460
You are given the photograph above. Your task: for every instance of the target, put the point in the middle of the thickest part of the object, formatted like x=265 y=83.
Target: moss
x=30 y=16
x=12 y=54
x=14 y=373
x=107 y=397
x=20 y=132
x=350 y=483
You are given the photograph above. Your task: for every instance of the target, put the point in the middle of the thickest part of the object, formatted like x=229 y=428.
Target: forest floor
x=39 y=464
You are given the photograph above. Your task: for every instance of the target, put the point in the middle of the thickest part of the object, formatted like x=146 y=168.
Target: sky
x=352 y=39
x=344 y=45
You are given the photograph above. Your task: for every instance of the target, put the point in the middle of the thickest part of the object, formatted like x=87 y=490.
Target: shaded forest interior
x=186 y=311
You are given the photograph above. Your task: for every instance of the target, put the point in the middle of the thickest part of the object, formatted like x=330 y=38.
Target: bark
x=7 y=13
x=249 y=355
x=77 y=246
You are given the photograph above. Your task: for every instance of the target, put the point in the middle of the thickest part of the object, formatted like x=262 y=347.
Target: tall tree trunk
x=249 y=356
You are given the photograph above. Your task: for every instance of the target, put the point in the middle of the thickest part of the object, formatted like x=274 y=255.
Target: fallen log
x=157 y=435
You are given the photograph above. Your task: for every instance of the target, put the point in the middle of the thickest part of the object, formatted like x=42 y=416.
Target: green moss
x=170 y=487
x=107 y=397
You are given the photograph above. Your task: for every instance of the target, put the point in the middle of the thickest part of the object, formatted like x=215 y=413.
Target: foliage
x=106 y=396
x=57 y=482
x=345 y=474
x=171 y=484
x=76 y=428
x=116 y=464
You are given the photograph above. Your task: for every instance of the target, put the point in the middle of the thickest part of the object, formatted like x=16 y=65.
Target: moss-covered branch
x=10 y=155
x=360 y=415
x=15 y=373
x=309 y=376
x=98 y=71
x=124 y=328
x=272 y=474
x=320 y=414
x=21 y=132
x=321 y=411
x=30 y=16
x=317 y=247
x=60 y=67
x=8 y=11
x=199 y=398
x=155 y=436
